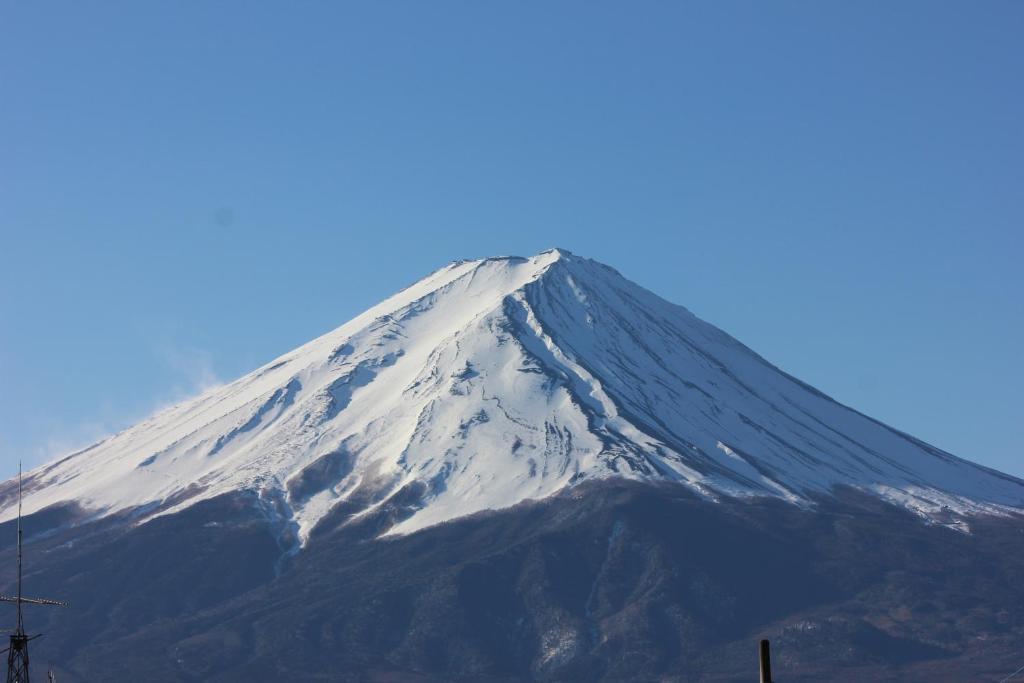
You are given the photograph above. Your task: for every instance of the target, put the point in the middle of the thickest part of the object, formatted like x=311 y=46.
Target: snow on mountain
x=493 y=381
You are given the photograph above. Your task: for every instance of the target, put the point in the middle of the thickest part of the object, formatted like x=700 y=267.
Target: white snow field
x=498 y=380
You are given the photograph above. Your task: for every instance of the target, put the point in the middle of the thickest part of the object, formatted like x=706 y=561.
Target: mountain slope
x=495 y=381
x=611 y=581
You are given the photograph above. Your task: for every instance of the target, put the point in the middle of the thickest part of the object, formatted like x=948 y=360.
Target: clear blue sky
x=188 y=189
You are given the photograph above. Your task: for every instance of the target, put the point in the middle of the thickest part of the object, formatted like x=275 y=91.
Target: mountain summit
x=494 y=381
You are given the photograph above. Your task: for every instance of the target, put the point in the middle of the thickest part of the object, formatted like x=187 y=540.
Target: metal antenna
x=17 y=651
x=21 y=622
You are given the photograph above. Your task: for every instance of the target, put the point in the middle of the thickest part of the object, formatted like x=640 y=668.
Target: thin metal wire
x=1012 y=675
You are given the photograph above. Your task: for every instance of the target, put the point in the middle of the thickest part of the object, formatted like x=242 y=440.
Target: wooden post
x=766 y=663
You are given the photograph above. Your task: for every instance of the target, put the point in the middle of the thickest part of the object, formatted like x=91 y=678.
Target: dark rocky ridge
x=609 y=581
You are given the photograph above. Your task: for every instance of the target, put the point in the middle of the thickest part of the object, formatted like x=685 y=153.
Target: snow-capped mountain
x=494 y=381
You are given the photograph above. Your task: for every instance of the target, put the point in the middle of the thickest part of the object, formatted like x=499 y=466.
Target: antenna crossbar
x=33 y=601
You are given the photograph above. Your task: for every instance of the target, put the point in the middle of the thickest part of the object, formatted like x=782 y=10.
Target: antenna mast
x=21 y=622
x=17 y=651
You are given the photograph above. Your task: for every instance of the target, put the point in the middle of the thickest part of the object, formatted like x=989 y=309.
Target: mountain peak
x=493 y=381
x=558 y=252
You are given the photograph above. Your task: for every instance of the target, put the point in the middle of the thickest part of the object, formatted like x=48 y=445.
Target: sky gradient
x=188 y=190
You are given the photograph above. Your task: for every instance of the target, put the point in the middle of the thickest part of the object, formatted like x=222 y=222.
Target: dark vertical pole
x=20 y=622
x=766 y=663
